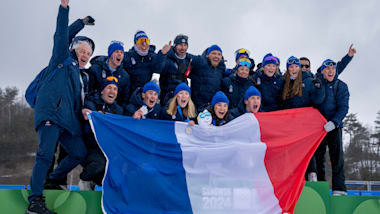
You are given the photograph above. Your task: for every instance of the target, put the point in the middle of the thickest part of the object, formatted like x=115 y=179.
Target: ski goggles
x=142 y=40
x=112 y=79
x=242 y=51
x=329 y=63
x=293 y=60
x=244 y=62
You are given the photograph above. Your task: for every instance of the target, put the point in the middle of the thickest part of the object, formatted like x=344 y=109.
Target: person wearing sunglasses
x=207 y=72
x=270 y=84
x=176 y=64
x=141 y=61
x=103 y=101
x=103 y=67
x=235 y=85
x=334 y=108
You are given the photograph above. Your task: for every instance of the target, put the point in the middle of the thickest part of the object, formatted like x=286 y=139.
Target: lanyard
x=180 y=113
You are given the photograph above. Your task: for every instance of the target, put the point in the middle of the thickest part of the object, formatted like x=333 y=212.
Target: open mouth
x=255 y=107
x=111 y=96
x=83 y=60
x=118 y=59
x=221 y=113
x=151 y=102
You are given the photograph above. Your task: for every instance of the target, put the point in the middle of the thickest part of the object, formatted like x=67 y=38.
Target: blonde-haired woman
x=181 y=107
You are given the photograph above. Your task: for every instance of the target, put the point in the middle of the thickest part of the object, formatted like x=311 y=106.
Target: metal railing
x=369 y=184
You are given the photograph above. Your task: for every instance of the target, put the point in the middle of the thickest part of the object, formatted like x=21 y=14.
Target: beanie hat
x=151 y=86
x=219 y=97
x=179 y=39
x=327 y=62
x=114 y=46
x=269 y=60
x=251 y=91
x=110 y=80
x=214 y=48
x=182 y=87
x=293 y=61
x=140 y=34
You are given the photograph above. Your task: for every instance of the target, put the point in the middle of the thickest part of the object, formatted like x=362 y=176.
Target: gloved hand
x=329 y=126
x=316 y=82
x=204 y=118
x=88 y=20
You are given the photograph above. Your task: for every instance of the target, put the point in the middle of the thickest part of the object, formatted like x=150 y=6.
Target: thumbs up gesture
x=166 y=48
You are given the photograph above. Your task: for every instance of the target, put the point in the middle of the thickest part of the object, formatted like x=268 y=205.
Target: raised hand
x=166 y=48
x=88 y=20
x=64 y=3
x=351 y=51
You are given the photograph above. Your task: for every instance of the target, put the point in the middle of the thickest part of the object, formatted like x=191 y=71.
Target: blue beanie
x=251 y=91
x=214 y=48
x=182 y=87
x=269 y=60
x=108 y=81
x=114 y=46
x=327 y=62
x=219 y=97
x=140 y=34
x=293 y=61
x=151 y=86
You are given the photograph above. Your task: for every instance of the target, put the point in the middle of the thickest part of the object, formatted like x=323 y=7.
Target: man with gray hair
x=58 y=109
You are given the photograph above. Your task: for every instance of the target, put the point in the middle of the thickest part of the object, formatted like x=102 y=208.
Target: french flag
x=254 y=164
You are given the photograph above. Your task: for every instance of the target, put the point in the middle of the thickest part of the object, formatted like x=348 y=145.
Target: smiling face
x=329 y=73
x=181 y=49
x=215 y=57
x=143 y=45
x=243 y=71
x=183 y=98
x=83 y=52
x=109 y=93
x=116 y=58
x=150 y=98
x=220 y=110
x=253 y=104
x=269 y=69
x=294 y=70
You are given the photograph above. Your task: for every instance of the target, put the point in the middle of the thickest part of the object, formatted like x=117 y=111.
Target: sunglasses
x=306 y=66
x=142 y=40
x=112 y=78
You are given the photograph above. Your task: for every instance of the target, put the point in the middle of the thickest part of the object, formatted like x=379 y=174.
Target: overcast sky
x=316 y=29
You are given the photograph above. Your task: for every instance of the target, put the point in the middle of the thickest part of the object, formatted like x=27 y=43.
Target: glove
x=329 y=126
x=316 y=82
x=88 y=20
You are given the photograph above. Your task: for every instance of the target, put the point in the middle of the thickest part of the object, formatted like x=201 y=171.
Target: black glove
x=88 y=20
x=317 y=83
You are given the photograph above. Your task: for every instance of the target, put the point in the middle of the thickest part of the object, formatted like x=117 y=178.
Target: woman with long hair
x=219 y=109
x=181 y=107
x=297 y=92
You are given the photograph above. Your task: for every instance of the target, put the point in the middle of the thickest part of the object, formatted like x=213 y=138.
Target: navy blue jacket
x=311 y=96
x=59 y=100
x=270 y=89
x=172 y=74
x=205 y=81
x=136 y=102
x=336 y=98
x=234 y=87
x=141 y=68
x=307 y=74
x=100 y=70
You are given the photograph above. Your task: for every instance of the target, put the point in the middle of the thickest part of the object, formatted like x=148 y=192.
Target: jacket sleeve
x=342 y=99
x=317 y=94
x=125 y=92
x=61 y=39
x=89 y=103
x=196 y=63
x=75 y=28
x=158 y=62
x=341 y=65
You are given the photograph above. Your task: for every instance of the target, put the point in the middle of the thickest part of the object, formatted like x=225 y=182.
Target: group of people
x=120 y=83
